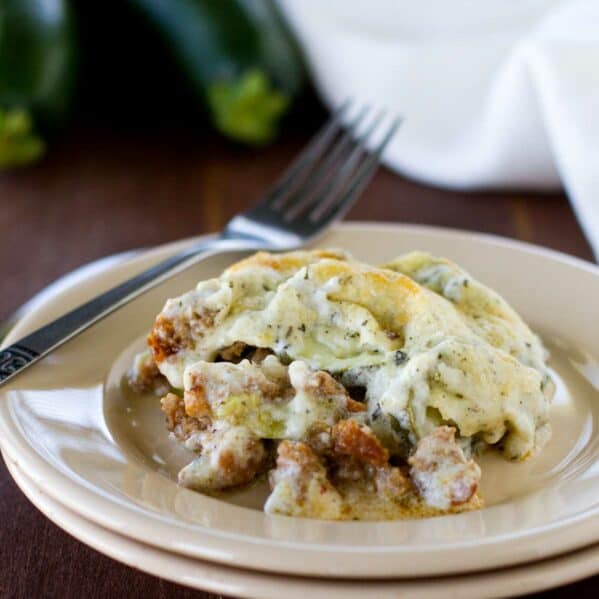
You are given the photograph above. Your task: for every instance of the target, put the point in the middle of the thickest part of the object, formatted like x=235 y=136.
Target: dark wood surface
x=101 y=192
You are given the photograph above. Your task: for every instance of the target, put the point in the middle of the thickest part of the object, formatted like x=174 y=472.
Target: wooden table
x=99 y=193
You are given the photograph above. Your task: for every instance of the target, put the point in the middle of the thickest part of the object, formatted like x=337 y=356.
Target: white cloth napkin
x=495 y=93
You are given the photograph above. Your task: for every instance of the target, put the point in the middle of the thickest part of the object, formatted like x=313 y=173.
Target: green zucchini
x=238 y=58
x=37 y=56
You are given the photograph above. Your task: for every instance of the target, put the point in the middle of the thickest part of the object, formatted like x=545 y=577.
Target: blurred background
x=128 y=123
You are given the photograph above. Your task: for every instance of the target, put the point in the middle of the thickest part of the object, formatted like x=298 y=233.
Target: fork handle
x=28 y=350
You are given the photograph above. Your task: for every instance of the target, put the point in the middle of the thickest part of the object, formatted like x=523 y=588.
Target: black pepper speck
x=400 y=357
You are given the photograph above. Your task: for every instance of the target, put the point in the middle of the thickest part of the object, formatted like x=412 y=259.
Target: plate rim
x=509 y=579
x=215 y=551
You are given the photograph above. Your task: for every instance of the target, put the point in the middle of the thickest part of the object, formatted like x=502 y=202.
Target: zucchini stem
x=19 y=145
x=248 y=109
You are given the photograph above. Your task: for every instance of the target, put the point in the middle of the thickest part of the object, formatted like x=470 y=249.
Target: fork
x=316 y=191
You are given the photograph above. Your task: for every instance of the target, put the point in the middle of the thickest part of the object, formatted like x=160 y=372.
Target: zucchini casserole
x=361 y=392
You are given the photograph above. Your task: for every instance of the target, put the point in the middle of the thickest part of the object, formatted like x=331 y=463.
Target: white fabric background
x=495 y=93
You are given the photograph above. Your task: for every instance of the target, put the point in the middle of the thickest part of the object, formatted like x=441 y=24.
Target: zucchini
x=237 y=57
x=37 y=56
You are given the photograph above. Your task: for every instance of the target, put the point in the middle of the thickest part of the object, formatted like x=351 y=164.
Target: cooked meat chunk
x=321 y=384
x=144 y=375
x=357 y=454
x=234 y=352
x=359 y=442
x=260 y=354
x=300 y=486
x=296 y=455
x=177 y=421
x=356 y=406
x=187 y=319
x=319 y=399
x=230 y=456
x=441 y=472
x=319 y=438
x=391 y=482
x=196 y=403
x=169 y=336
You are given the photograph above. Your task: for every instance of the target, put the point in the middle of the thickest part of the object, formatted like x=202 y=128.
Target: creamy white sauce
x=430 y=344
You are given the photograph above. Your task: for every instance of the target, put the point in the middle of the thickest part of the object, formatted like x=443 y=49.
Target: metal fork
x=317 y=190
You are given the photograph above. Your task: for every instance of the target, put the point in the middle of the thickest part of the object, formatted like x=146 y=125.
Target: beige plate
x=244 y=583
x=69 y=426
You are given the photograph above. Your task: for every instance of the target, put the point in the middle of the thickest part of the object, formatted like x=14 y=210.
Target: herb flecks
x=400 y=357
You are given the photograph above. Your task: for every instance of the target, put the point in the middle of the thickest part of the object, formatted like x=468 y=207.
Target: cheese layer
x=430 y=344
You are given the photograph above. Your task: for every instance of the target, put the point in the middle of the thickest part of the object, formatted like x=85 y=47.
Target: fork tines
x=332 y=171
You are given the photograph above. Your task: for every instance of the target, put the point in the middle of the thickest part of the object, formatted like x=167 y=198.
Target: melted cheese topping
x=430 y=344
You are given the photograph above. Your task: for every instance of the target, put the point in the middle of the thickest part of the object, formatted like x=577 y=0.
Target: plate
x=244 y=583
x=69 y=425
